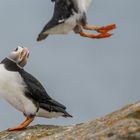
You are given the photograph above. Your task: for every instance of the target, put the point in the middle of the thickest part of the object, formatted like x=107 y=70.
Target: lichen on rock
x=123 y=124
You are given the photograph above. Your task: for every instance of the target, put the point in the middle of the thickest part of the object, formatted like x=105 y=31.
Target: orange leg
x=98 y=36
x=90 y=27
x=22 y=125
x=103 y=29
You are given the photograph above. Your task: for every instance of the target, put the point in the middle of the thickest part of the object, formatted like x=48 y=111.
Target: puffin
x=70 y=15
x=24 y=92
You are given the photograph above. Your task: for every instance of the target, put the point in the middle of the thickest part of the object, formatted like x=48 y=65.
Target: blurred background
x=91 y=77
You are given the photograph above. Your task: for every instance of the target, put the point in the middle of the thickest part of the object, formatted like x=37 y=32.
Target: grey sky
x=91 y=77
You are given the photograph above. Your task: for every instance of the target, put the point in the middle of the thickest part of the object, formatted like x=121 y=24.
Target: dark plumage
x=36 y=92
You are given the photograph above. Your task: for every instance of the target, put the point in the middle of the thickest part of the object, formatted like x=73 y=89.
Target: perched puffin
x=71 y=15
x=25 y=92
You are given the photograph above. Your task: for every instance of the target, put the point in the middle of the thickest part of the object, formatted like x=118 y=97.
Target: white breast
x=12 y=89
x=65 y=27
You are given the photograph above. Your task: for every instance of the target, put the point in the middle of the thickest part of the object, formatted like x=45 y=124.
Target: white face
x=19 y=56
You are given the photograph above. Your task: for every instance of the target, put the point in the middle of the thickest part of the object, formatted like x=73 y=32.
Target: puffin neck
x=11 y=65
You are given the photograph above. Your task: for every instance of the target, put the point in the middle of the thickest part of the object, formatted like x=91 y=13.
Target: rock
x=123 y=124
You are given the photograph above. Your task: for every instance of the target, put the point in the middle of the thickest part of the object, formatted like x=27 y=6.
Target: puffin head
x=19 y=56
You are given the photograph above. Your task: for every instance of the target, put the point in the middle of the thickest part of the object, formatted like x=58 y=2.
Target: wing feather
x=37 y=92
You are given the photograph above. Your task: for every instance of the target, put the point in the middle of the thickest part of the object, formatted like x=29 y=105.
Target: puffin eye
x=16 y=49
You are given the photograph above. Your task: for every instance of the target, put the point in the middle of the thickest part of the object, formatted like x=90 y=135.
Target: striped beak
x=23 y=55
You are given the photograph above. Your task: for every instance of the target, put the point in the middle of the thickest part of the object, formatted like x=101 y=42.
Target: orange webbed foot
x=104 y=35
x=96 y=36
x=106 y=29
x=22 y=125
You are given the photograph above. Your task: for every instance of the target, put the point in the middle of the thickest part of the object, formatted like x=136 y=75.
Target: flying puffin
x=25 y=92
x=71 y=15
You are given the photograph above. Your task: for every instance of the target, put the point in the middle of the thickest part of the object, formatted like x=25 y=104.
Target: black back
x=36 y=91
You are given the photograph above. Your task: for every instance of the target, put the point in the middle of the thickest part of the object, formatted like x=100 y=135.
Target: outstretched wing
x=37 y=92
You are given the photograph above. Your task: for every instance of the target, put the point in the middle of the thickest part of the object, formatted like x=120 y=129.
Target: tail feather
x=53 y=108
x=55 y=103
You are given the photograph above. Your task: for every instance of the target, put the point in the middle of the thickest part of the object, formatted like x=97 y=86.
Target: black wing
x=37 y=92
x=52 y=108
x=63 y=9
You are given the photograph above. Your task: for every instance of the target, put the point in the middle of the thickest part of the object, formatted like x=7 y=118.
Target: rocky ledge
x=123 y=124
